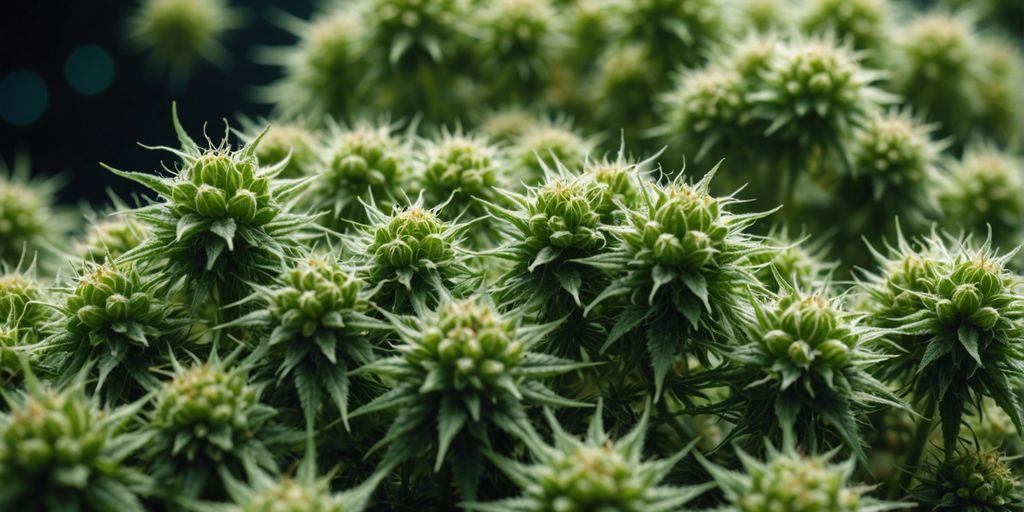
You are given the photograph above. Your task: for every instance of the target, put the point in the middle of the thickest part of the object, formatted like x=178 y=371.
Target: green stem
x=924 y=428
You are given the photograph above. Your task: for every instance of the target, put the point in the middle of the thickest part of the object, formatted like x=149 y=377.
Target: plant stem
x=924 y=428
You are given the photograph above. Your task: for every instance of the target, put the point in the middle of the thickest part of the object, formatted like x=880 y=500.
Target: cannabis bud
x=683 y=259
x=985 y=190
x=29 y=222
x=206 y=416
x=114 y=317
x=595 y=473
x=793 y=482
x=180 y=33
x=58 y=451
x=460 y=169
x=365 y=163
x=413 y=255
x=806 y=366
x=316 y=315
x=110 y=238
x=959 y=314
x=546 y=145
x=973 y=480
x=221 y=222
x=462 y=370
x=20 y=307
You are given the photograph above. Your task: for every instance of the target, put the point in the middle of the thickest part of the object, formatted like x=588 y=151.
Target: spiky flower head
x=621 y=178
x=408 y=33
x=978 y=481
x=180 y=33
x=624 y=87
x=866 y=24
x=1000 y=114
x=323 y=71
x=936 y=58
x=800 y=263
x=413 y=255
x=60 y=451
x=804 y=370
x=797 y=483
x=518 y=39
x=813 y=94
x=594 y=473
x=541 y=145
x=462 y=371
x=222 y=220
x=21 y=297
x=547 y=230
x=292 y=140
x=109 y=238
x=766 y=15
x=960 y=312
x=264 y=493
x=680 y=31
x=366 y=163
x=683 y=264
x=30 y=223
x=985 y=190
x=895 y=153
x=206 y=416
x=316 y=315
x=506 y=125
x=461 y=169
x=709 y=107
x=114 y=321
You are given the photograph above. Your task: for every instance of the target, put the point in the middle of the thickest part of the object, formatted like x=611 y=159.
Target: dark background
x=78 y=131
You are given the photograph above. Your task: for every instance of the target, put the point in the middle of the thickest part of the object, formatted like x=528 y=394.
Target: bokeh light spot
x=23 y=97
x=89 y=70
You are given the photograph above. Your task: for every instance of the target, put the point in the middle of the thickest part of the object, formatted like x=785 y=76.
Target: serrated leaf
x=968 y=337
x=951 y=411
x=662 y=346
x=309 y=395
x=335 y=380
x=698 y=285
x=628 y=320
x=328 y=345
x=571 y=281
x=450 y=419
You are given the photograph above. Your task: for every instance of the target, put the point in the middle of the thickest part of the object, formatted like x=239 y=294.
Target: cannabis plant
x=179 y=34
x=221 y=222
x=30 y=222
x=263 y=492
x=323 y=72
x=112 y=322
x=459 y=170
x=548 y=230
x=804 y=370
x=60 y=451
x=463 y=373
x=975 y=481
x=595 y=473
x=414 y=257
x=959 y=312
x=982 y=193
x=787 y=480
x=682 y=259
x=316 y=314
x=110 y=238
x=366 y=163
x=208 y=416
